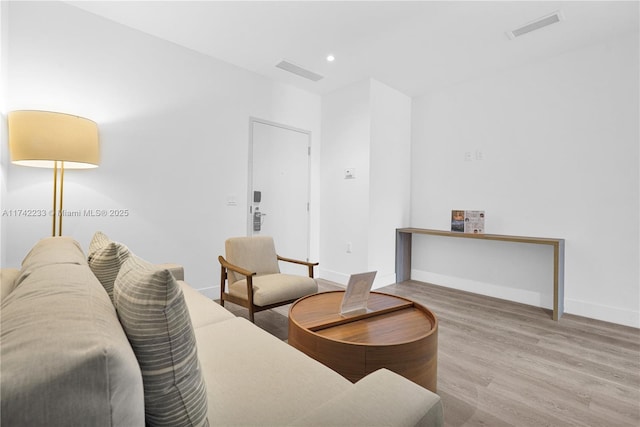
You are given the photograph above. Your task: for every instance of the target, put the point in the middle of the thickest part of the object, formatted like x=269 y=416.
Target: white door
x=279 y=189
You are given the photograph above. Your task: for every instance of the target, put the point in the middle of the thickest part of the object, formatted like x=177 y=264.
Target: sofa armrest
x=382 y=398
x=175 y=269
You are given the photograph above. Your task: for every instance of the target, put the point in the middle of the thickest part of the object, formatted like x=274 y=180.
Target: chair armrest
x=310 y=265
x=226 y=264
x=297 y=261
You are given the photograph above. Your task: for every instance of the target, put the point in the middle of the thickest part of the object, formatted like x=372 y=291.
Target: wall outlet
x=350 y=173
x=349 y=247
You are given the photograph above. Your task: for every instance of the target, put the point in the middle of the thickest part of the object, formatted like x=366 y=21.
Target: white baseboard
x=343 y=279
x=384 y=280
x=511 y=294
x=602 y=312
x=333 y=276
x=579 y=308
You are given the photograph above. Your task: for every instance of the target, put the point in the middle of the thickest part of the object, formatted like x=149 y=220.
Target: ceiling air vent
x=536 y=25
x=296 y=69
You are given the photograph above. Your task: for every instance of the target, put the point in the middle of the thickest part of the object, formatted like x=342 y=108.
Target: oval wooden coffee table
x=395 y=333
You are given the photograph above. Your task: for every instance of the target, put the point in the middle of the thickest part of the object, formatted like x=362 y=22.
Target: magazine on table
x=467 y=221
x=357 y=293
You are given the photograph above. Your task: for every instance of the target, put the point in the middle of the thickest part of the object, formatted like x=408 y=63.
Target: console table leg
x=403 y=256
x=558 y=280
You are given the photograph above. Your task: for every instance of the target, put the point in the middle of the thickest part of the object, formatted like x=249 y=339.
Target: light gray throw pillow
x=153 y=313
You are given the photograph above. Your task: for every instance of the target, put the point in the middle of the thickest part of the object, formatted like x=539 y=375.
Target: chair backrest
x=257 y=254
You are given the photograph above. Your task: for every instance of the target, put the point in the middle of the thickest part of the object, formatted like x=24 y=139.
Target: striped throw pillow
x=99 y=240
x=105 y=259
x=153 y=313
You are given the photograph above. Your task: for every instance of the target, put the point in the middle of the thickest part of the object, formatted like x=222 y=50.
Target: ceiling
x=412 y=46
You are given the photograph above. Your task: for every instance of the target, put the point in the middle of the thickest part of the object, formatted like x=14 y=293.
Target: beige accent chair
x=252 y=272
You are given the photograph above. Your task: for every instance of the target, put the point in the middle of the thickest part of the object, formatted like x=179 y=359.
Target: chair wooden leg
x=223 y=279
x=250 y=298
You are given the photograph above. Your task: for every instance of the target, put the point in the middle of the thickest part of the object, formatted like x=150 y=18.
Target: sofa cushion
x=54 y=250
x=105 y=259
x=202 y=310
x=153 y=313
x=65 y=357
x=254 y=379
x=367 y=404
x=275 y=288
x=8 y=279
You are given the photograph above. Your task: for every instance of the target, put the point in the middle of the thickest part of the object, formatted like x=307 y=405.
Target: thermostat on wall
x=350 y=173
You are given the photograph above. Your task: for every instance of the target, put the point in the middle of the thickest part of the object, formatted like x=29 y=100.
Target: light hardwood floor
x=507 y=364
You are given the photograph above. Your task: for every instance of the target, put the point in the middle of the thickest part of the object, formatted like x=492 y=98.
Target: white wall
x=174 y=129
x=344 y=203
x=367 y=127
x=559 y=140
x=390 y=178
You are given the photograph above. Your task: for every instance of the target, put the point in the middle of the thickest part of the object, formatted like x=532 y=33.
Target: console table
x=403 y=256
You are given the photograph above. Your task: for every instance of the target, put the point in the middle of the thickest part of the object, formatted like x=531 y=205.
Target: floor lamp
x=60 y=141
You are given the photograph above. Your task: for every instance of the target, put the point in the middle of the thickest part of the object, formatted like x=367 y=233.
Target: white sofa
x=66 y=360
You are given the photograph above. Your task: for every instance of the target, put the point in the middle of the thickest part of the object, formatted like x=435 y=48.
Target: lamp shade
x=40 y=138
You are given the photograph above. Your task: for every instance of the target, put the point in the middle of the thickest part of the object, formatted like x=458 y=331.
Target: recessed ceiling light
x=331 y=58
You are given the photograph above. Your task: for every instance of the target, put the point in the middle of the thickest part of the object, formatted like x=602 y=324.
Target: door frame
x=252 y=121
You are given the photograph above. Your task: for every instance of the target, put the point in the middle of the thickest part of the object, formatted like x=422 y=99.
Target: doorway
x=279 y=177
